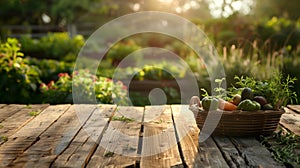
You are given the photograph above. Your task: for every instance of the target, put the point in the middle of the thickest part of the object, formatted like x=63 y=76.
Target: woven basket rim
x=241 y=112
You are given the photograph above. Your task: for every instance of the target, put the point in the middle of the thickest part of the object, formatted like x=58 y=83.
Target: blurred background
x=40 y=41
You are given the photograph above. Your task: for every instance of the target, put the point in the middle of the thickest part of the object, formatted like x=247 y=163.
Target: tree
x=60 y=11
x=22 y=11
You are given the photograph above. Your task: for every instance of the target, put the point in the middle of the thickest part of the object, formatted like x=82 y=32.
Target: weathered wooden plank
x=187 y=134
x=2 y=105
x=84 y=144
x=291 y=121
x=119 y=144
x=296 y=108
x=210 y=152
x=13 y=123
x=159 y=148
x=9 y=110
x=230 y=153
x=254 y=153
x=29 y=134
x=54 y=140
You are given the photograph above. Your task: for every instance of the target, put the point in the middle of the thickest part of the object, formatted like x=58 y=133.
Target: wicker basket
x=240 y=123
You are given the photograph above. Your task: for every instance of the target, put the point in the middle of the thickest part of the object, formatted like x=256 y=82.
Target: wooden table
x=111 y=136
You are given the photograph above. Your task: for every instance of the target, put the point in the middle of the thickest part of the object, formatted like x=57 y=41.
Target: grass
x=34 y=113
x=122 y=118
x=29 y=106
x=283 y=146
x=4 y=138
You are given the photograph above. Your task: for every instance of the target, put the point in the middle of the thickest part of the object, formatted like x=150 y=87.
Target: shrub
x=53 y=46
x=291 y=67
x=162 y=71
x=106 y=91
x=50 y=68
x=279 y=32
x=19 y=80
x=122 y=49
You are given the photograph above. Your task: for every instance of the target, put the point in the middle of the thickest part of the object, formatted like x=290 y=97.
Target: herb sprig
x=277 y=89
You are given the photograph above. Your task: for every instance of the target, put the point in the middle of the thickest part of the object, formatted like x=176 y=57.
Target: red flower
x=44 y=86
x=50 y=84
x=61 y=74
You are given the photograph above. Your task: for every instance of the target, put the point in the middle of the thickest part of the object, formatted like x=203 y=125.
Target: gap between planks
x=29 y=134
x=16 y=121
x=83 y=144
x=119 y=145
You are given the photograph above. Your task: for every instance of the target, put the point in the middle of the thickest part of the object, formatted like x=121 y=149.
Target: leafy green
x=34 y=113
x=277 y=89
x=282 y=145
x=17 y=76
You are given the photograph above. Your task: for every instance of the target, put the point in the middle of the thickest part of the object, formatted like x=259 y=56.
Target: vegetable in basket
x=208 y=102
x=249 y=105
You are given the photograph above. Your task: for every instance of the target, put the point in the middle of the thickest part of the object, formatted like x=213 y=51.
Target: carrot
x=226 y=106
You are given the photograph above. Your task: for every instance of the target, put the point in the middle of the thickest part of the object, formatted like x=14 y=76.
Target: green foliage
x=279 y=32
x=19 y=80
x=270 y=34
x=282 y=146
x=34 y=113
x=106 y=91
x=53 y=46
x=122 y=118
x=4 y=138
x=277 y=89
x=18 y=12
x=291 y=66
x=121 y=50
x=50 y=68
x=59 y=91
x=278 y=8
x=162 y=71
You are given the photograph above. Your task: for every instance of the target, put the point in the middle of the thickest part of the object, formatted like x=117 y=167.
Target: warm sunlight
x=221 y=8
x=166 y=1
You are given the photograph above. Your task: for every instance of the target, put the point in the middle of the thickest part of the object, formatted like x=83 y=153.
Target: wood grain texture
x=13 y=123
x=9 y=110
x=53 y=141
x=159 y=147
x=2 y=105
x=254 y=153
x=291 y=121
x=210 y=152
x=296 y=108
x=83 y=145
x=187 y=132
x=29 y=134
x=119 y=144
x=111 y=136
x=230 y=153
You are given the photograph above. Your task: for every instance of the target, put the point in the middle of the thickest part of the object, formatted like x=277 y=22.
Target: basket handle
x=195 y=100
x=195 y=104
